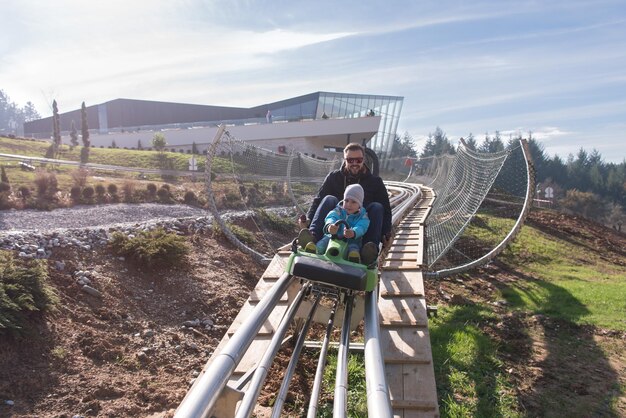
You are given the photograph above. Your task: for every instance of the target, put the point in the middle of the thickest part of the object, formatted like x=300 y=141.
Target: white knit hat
x=355 y=192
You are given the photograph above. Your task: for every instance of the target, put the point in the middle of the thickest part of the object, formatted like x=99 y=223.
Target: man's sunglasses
x=354 y=160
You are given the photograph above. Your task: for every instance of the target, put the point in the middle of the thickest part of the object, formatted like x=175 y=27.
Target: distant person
x=351 y=210
x=268 y=116
x=370 y=112
x=375 y=200
x=324 y=116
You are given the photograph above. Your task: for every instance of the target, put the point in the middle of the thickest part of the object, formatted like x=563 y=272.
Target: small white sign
x=549 y=192
x=192 y=164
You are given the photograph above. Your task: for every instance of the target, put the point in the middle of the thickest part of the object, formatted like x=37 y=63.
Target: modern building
x=318 y=124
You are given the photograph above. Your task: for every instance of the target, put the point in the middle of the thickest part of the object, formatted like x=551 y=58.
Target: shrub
x=23 y=292
x=46 y=183
x=242 y=234
x=112 y=189
x=275 y=222
x=5 y=202
x=88 y=192
x=164 y=195
x=166 y=187
x=129 y=191
x=100 y=190
x=5 y=187
x=24 y=192
x=3 y=176
x=75 y=193
x=189 y=197
x=79 y=176
x=151 y=249
x=152 y=189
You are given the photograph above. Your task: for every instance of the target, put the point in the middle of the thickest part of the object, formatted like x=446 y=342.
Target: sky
x=553 y=68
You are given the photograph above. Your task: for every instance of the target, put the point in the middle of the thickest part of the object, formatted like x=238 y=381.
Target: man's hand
x=303 y=222
x=349 y=233
x=332 y=228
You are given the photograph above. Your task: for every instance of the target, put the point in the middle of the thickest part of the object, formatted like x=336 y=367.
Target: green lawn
x=562 y=278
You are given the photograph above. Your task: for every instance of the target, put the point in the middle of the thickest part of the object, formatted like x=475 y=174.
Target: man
x=376 y=202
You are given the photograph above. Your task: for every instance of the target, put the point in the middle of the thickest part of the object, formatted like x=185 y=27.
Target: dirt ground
x=135 y=351
x=131 y=352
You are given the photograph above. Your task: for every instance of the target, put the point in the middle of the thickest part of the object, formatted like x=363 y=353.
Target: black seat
x=322 y=271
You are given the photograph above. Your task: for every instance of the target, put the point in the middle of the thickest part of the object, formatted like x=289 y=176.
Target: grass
x=357 y=391
x=561 y=278
x=470 y=377
x=120 y=157
x=567 y=281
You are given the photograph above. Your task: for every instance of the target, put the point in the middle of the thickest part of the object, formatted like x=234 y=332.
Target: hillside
x=134 y=351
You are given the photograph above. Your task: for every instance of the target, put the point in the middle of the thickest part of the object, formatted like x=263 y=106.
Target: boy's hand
x=349 y=233
x=333 y=228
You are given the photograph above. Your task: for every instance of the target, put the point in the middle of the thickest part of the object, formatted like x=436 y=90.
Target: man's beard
x=350 y=172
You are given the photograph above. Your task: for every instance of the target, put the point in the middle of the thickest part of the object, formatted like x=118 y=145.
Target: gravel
x=100 y=216
x=35 y=234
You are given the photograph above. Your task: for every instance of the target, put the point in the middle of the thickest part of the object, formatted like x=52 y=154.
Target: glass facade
x=343 y=105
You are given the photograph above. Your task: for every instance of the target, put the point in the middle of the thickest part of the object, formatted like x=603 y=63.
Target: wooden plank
x=403 y=249
x=412 y=413
x=420 y=253
x=401 y=283
x=254 y=354
x=401 y=265
x=405 y=345
x=410 y=310
x=411 y=386
x=276 y=267
x=419 y=385
x=268 y=327
x=261 y=289
x=400 y=241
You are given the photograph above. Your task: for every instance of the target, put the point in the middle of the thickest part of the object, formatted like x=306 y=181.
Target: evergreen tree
x=194 y=148
x=30 y=113
x=470 y=142
x=403 y=146
x=139 y=144
x=84 y=128
x=159 y=142
x=437 y=144
x=539 y=159
x=56 y=128
x=492 y=145
x=12 y=117
x=3 y=176
x=73 y=135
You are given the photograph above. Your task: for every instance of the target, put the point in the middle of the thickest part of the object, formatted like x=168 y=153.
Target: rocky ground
x=132 y=347
x=123 y=341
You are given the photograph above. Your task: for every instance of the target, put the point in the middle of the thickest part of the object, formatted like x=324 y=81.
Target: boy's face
x=351 y=206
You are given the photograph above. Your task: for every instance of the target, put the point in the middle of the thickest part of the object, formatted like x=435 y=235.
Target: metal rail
x=205 y=392
x=203 y=396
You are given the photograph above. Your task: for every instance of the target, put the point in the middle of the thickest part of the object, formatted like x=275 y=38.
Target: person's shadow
x=555 y=365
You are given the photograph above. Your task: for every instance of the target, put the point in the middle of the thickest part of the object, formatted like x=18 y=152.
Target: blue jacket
x=359 y=222
x=375 y=191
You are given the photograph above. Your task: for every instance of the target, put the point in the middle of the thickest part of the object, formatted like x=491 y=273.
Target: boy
x=351 y=210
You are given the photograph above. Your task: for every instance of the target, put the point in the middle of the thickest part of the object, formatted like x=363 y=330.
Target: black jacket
x=336 y=182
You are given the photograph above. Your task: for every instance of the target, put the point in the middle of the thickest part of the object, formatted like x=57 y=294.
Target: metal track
x=233 y=377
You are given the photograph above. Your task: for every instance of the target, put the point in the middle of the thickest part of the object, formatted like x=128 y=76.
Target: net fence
x=482 y=199
x=273 y=187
